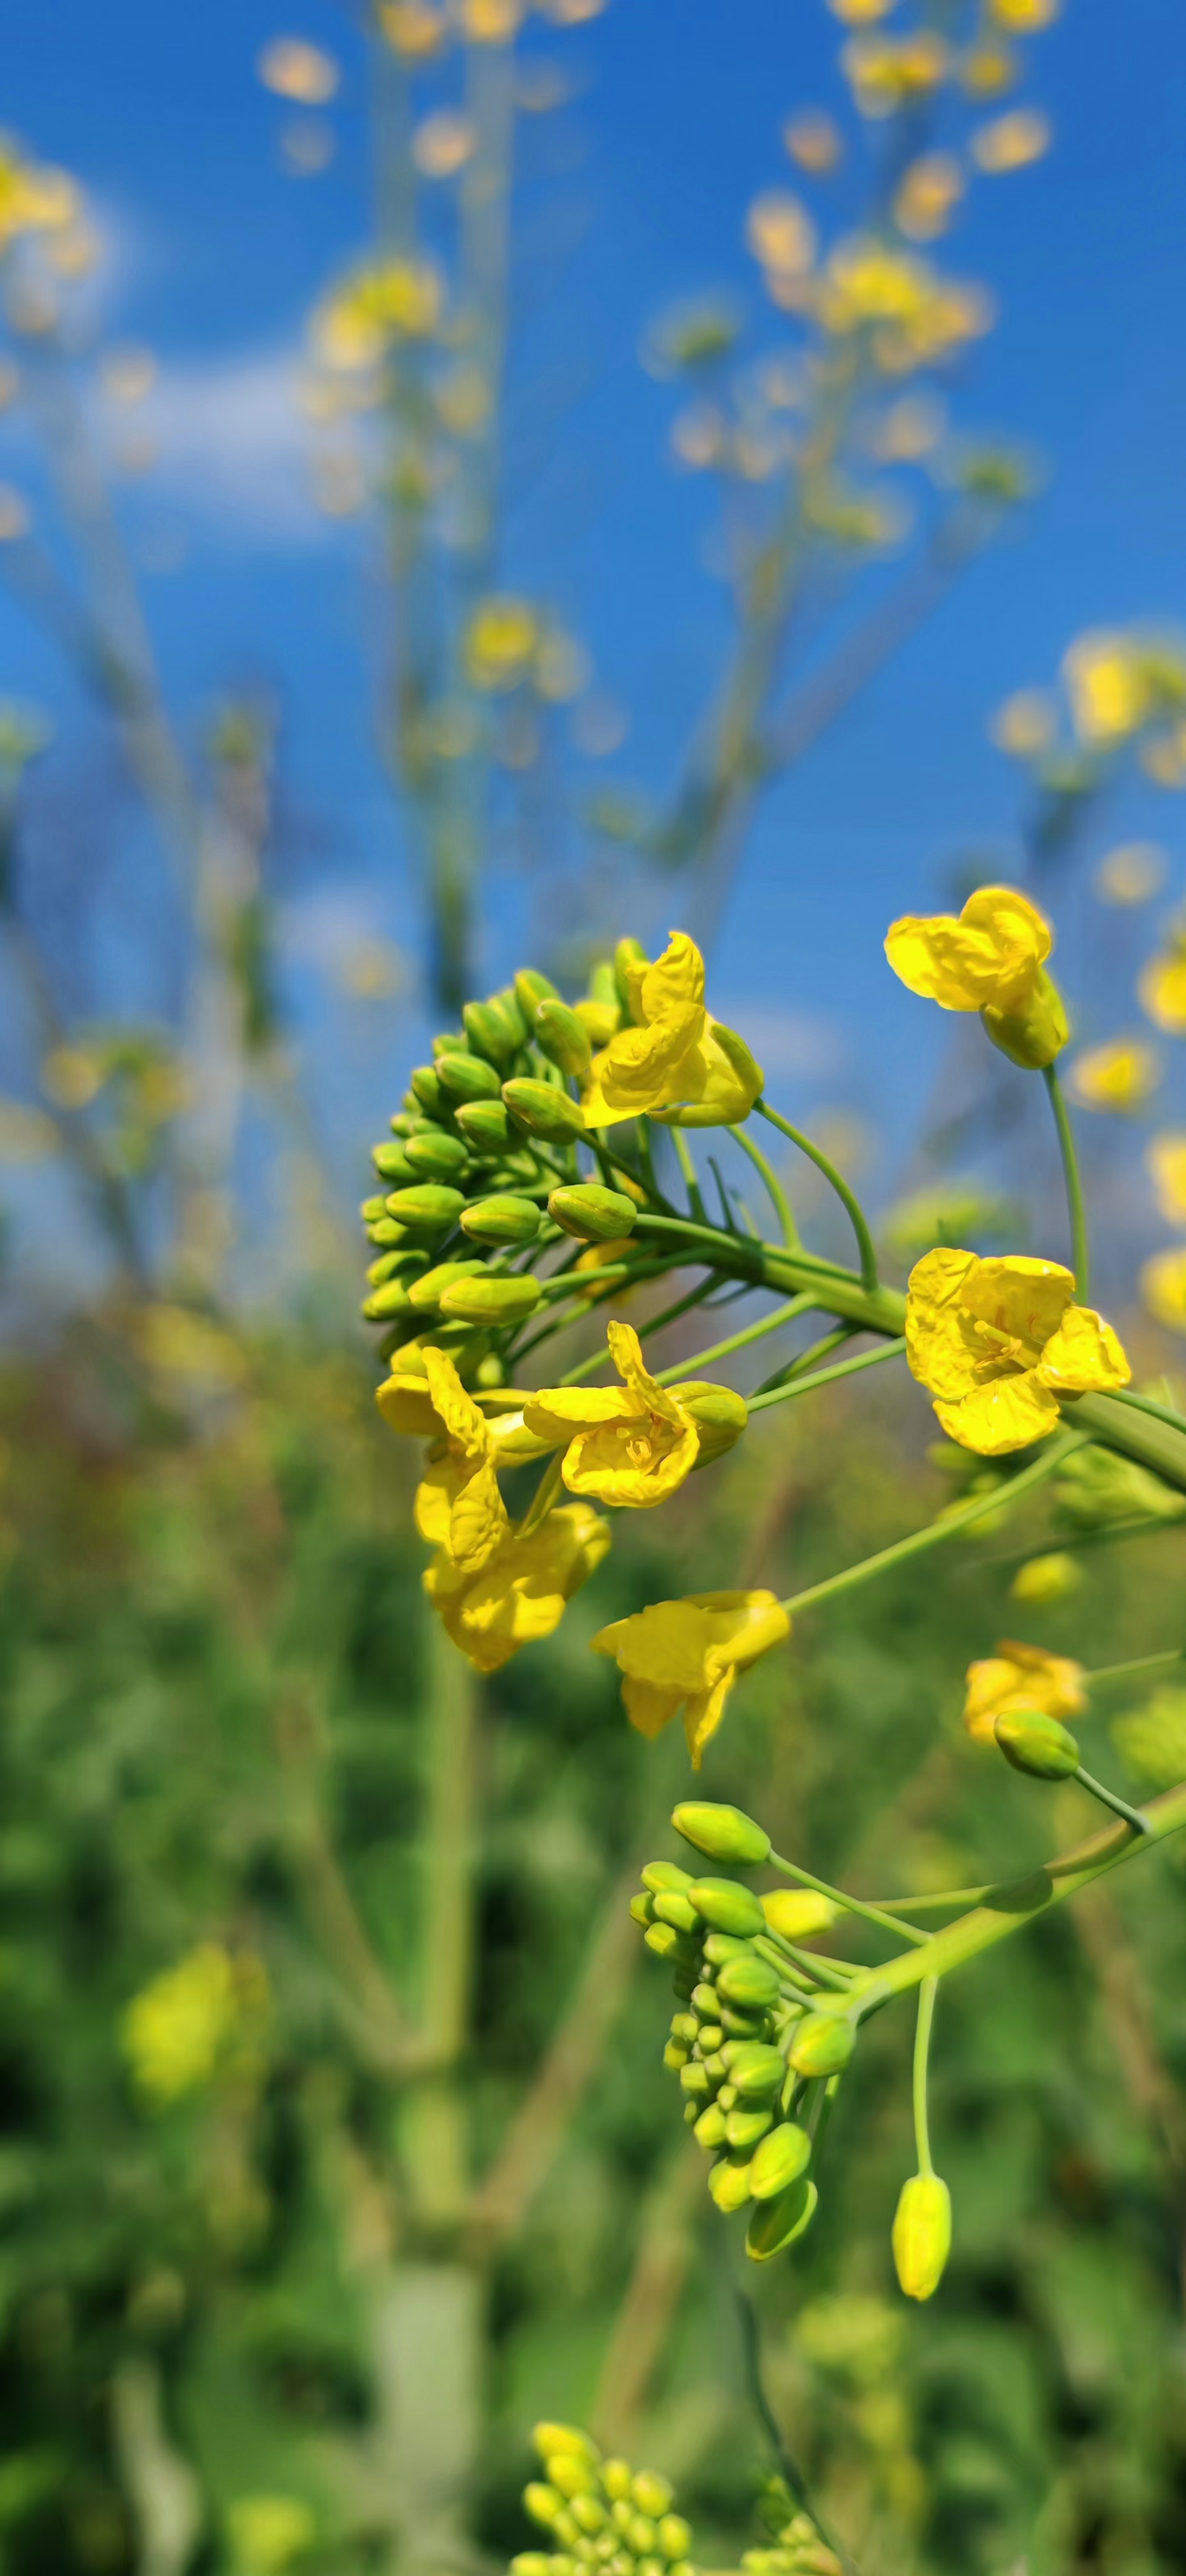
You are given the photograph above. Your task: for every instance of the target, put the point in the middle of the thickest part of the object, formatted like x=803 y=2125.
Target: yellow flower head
x=1107 y=688
x=1021 y=1677
x=178 y=2029
x=414 y=30
x=630 y=1444
x=1163 y=1287
x=1024 y=17
x=999 y=1342
x=1133 y=873
x=389 y=301
x=675 y=1063
x=520 y=1593
x=1162 y=990
x=990 y=959
x=1119 y=1075
x=458 y=1506
x=1021 y=136
x=1165 y=1161
x=926 y=194
x=889 y=72
x=500 y=641
x=687 y=1654
x=269 y=2532
x=32 y=199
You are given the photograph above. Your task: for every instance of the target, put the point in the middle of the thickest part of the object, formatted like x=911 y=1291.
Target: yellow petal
x=1084 y=1356
x=1008 y=1414
x=478 y=1521
x=609 y=1462
x=936 y=1344
x=464 y=1421
x=406 y=1405
x=675 y=981
x=1019 y=1295
x=723 y=1082
x=1162 y=989
x=703 y=1714
x=648 y=1705
x=990 y=955
x=435 y=1496
x=556 y=1412
x=639 y=1069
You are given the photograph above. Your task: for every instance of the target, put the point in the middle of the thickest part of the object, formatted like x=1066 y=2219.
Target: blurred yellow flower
x=675 y=1063
x=71 y=1076
x=1011 y=141
x=814 y=142
x=629 y=1445
x=571 y=13
x=1122 y=1074
x=1047 y=1578
x=1024 y=17
x=1152 y=1740
x=500 y=641
x=1020 y=1676
x=999 y=1342
x=1106 y=687
x=1162 y=989
x=860 y=13
x=926 y=195
x=1132 y=874
x=32 y=198
x=443 y=143
x=1163 y=757
x=1025 y=724
x=521 y=1593
x=918 y=316
x=687 y=1654
x=490 y=22
x=780 y=233
x=269 y=2532
x=177 y=2030
x=1163 y=1287
x=127 y=375
x=891 y=72
x=299 y=71
x=1165 y=1161
x=458 y=1505
x=988 y=71
x=911 y=428
x=393 y=300
x=990 y=959
x=414 y=30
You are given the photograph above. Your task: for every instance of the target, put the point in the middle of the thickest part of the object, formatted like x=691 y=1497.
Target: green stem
x=826 y=1377
x=850 y=1904
x=683 y=1157
x=1108 y=1798
x=1070 y=1172
x=776 y=1192
x=807 y=1360
x=1001 y=1498
x=922 y=2049
x=837 y=1182
x=1139 y=1664
x=793 y=2477
x=942 y=1896
x=738 y=1341
x=544 y=1496
x=656 y=1323
x=1127 y=1395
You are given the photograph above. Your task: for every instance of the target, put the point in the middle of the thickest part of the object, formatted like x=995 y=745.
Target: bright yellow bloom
x=389 y=301
x=177 y=2029
x=992 y=960
x=1163 y=1287
x=630 y=1444
x=1165 y=1161
x=1162 y=990
x=1047 y=1578
x=458 y=1506
x=926 y=194
x=1011 y=141
x=999 y=1342
x=1024 y=17
x=889 y=72
x=32 y=199
x=500 y=640
x=1107 y=688
x=521 y=1592
x=1121 y=1074
x=676 y=1063
x=268 y=2532
x=687 y=1654
x=1019 y=1676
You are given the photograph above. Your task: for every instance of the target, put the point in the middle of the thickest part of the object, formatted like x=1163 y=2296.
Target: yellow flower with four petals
x=675 y=1062
x=687 y=1654
x=458 y=1505
x=522 y=1590
x=991 y=959
x=632 y=1444
x=1016 y=1677
x=1000 y=1342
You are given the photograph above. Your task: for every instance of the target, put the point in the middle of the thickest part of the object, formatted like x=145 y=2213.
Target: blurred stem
x=1108 y=1798
x=737 y=1341
x=1139 y=1663
x=434 y=2131
x=836 y=1181
x=1070 y=1172
x=826 y=1377
x=922 y=2048
x=1001 y=1498
x=778 y=1196
x=792 y=2475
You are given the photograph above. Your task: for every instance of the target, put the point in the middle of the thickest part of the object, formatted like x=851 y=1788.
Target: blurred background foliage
x=283 y=2282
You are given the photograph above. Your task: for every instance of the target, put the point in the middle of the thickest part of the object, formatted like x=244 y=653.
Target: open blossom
x=1163 y=1286
x=687 y=1654
x=1165 y=1161
x=521 y=1591
x=633 y=1444
x=1000 y=1342
x=458 y=1505
x=1019 y=1676
x=1162 y=989
x=675 y=1062
x=991 y=959
x=1120 y=1075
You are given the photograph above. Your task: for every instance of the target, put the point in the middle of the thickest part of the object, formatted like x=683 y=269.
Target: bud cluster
x=600 y=2514
x=797 y=2549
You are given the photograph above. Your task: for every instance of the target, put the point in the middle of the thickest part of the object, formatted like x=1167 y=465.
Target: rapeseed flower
x=1020 y=1676
x=687 y=1654
x=675 y=1063
x=520 y=1594
x=1131 y=874
x=1165 y=1161
x=269 y=2532
x=500 y=642
x=458 y=1505
x=1163 y=1287
x=1107 y=688
x=990 y=959
x=1011 y=141
x=389 y=301
x=926 y=195
x=999 y=1343
x=1121 y=1074
x=32 y=199
x=1162 y=989
x=178 y=2029
x=630 y=1444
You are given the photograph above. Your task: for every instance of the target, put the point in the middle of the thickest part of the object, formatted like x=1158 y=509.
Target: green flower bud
x=617 y=2479
x=426 y=1089
x=780 y=2160
x=532 y=988
x=712 y=2040
x=533 y=2562
x=387 y=1233
x=496 y=1301
x=542 y=2503
x=549 y=2437
x=744 y=2025
x=694 y=2081
x=674 y=2535
x=570 y=2470
x=710 y=2129
x=684 y=2026
x=427 y=1208
x=629 y=956
x=675 y=2056
x=649 y=2567
x=485 y=1125
x=438 y=1157
x=544 y=1110
x=676 y=1909
x=727 y=1906
x=642 y=1909
x=822 y=2044
x=593 y=1214
x=720 y=1416
x=721 y=1833
x=665 y=1878
x=639 y=2535
x=666 y=1942
x=392 y=1299
x=372 y=1210
x=502 y=1219
x=744 y=2129
x=425 y=1293
x=388 y=1266
x=729 y=2184
x=1035 y=1038
x=775 y=2224
x=491 y=1031
x=466 y=1077
x=704 y=2002
x=922 y=2235
x=589 y=2516
x=755 y=2071
x=391 y=1163
x=402 y=1123
x=719 y=1946
x=563 y=1038
x=727 y=2096
x=750 y=1982
x=1033 y=1742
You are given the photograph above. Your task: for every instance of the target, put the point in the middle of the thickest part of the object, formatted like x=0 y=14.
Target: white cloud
x=234 y=447
x=792 y=1044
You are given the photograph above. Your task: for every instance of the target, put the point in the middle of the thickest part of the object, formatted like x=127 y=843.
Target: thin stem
x=1002 y=1497
x=851 y=1904
x=792 y=2474
x=1070 y=1172
x=806 y=1360
x=738 y=1341
x=544 y=1495
x=944 y=1896
x=778 y=1196
x=826 y=1377
x=791 y=1962
x=869 y=1274
x=683 y=1157
x=1148 y=1404
x=922 y=2046
x=1108 y=1798
x=1139 y=1664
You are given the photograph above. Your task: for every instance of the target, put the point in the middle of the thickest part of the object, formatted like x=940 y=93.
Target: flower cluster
x=193 y=2020
x=600 y=2514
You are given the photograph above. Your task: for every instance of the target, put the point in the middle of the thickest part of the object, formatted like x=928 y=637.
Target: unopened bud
x=533 y=2562
x=777 y=2223
x=822 y=2044
x=665 y=1941
x=428 y=1207
x=630 y=965
x=532 y=988
x=492 y=1032
x=386 y=1233
x=437 y=1157
x=603 y=1019
x=425 y=1293
x=642 y=1909
x=922 y=2234
x=569 y=2469
x=1032 y=1038
x=426 y=1089
x=543 y=2503
x=593 y=1214
x=485 y=1125
x=755 y=2071
x=744 y=2129
x=495 y=1301
x=563 y=1038
x=372 y=1210
x=798 y=1911
x=674 y=2535
x=750 y=1983
x=721 y=1833
x=676 y=1910
x=719 y=1414
x=502 y=1218
x=779 y=2161
x=386 y=1301
x=652 y=2494
x=665 y=1876
x=466 y=1077
x=728 y=1907
x=391 y=1163
x=544 y=1110
x=729 y=2184
x=1033 y=1742
x=563 y=2437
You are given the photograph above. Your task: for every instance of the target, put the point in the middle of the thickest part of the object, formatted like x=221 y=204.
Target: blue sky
x=637 y=195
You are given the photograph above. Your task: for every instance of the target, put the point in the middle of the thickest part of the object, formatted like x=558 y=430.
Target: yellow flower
x=630 y=1444
x=1162 y=990
x=1024 y=725
x=676 y=1063
x=1165 y=1161
x=413 y=30
x=268 y=2532
x=1163 y=1287
x=687 y=1654
x=1024 y=17
x=1133 y=873
x=992 y=960
x=1121 y=1074
x=520 y=1594
x=500 y=640
x=458 y=1506
x=178 y=2028
x=926 y=195
x=32 y=199
x=390 y=301
x=298 y=71
x=1023 y=135
x=999 y=1342
x=1020 y=1676
x=1107 y=688
x=780 y=233
x=889 y=72
x=1047 y=1578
